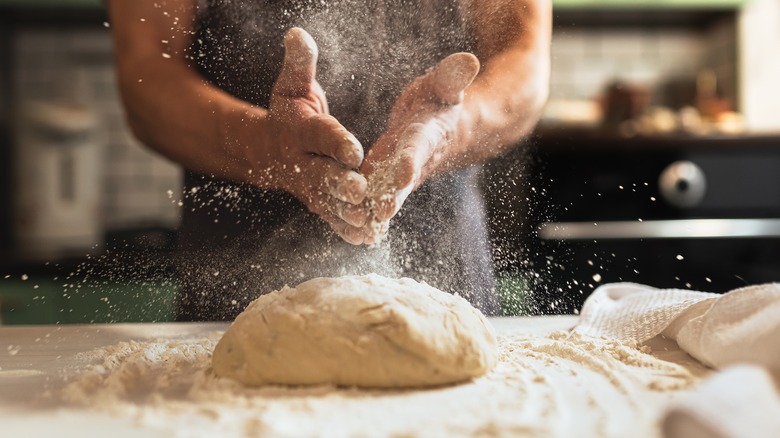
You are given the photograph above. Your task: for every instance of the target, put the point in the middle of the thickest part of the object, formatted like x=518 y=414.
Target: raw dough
x=368 y=331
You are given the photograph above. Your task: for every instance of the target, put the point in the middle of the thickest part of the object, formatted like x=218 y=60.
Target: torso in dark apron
x=237 y=241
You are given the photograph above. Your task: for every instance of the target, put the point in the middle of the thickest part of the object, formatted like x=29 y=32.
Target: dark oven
x=687 y=212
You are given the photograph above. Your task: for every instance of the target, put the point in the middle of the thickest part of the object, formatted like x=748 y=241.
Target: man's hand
x=422 y=124
x=312 y=155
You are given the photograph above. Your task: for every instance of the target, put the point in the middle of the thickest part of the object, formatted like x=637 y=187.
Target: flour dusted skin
x=365 y=331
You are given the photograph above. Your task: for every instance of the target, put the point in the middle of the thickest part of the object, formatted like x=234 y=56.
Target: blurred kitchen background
x=661 y=113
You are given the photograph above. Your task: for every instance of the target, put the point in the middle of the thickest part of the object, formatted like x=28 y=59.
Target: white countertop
x=35 y=360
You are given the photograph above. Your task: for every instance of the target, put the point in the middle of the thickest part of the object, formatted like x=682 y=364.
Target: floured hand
x=422 y=124
x=314 y=157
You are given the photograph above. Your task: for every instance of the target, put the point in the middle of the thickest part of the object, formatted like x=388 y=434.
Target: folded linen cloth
x=740 y=326
x=739 y=402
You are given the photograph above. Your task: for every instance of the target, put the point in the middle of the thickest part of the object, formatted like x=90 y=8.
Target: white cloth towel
x=738 y=402
x=739 y=327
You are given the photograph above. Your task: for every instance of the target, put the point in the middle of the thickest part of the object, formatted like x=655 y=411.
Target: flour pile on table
x=553 y=386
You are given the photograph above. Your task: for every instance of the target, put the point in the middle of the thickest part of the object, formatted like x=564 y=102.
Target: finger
x=324 y=135
x=453 y=74
x=347 y=185
x=355 y=215
x=353 y=235
x=387 y=206
x=350 y=234
x=406 y=174
x=388 y=173
x=375 y=232
x=381 y=151
x=321 y=204
x=343 y=184
x=394 y=178
x=300 y=63
x=416 y=146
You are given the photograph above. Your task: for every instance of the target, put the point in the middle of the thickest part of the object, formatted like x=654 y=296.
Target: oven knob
x=682 y=184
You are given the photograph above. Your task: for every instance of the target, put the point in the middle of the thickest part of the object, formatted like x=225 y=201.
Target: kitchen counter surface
x=31 y=357
x=547 y=383
x=38 y=359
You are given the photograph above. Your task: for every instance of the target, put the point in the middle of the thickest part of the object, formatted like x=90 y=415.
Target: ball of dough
x=367 y=331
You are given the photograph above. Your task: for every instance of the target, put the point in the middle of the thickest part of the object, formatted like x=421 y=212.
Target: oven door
x=700 y=214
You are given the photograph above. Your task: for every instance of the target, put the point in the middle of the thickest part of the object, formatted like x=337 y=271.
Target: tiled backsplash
x=76 y=66
x=585 y=60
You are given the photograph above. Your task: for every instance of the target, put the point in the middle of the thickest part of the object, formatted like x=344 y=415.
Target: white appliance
x=57 y=181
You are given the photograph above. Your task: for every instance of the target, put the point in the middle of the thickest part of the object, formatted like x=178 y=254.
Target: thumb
x=453 y=74
x=300 y=63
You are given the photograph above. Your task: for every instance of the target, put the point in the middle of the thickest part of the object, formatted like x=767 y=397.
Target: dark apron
x=237 y=241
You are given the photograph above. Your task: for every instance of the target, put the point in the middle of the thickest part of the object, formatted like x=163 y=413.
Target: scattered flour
x=560 y=385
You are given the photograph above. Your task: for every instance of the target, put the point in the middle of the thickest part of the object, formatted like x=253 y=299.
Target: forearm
x=191 y=122
x=170 y=107
x=504 y=102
